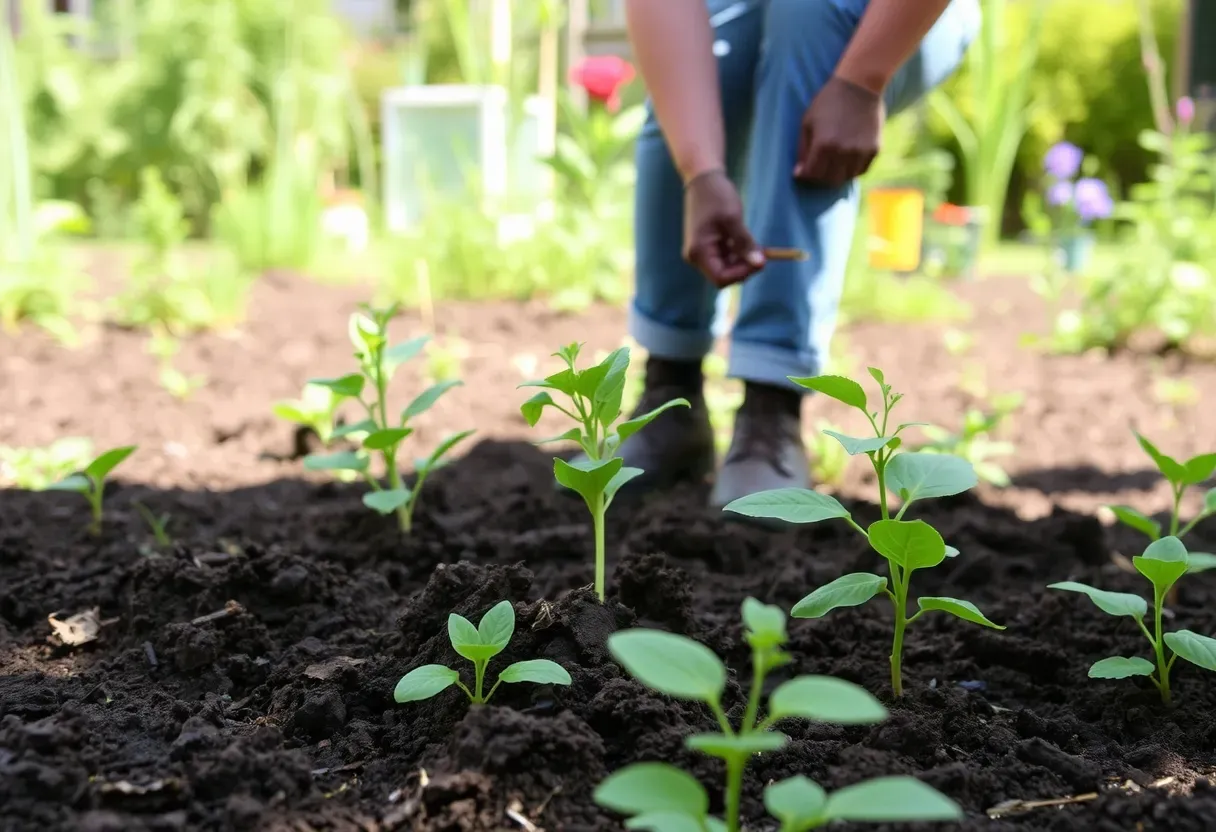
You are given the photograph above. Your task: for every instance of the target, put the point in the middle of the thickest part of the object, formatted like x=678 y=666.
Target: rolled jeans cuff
x=666 y=341
x=766 y=364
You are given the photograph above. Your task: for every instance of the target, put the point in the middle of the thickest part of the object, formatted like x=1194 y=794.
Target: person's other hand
x=841 y=132
x=716 y=240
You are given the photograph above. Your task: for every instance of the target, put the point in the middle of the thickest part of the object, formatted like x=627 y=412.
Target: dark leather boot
x=678 y=446
x=766 y=451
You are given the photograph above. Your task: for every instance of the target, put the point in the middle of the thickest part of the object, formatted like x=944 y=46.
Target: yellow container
x=897 y=228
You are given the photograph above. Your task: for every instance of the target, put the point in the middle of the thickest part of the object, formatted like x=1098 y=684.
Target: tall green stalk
x=989 y=135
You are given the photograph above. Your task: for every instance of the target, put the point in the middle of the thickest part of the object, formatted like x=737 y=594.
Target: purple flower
x=1063 y=161
x=1186 y=109
x=1059 y=193
x=1093 y=200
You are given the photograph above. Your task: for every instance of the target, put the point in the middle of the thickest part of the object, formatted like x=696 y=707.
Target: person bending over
x=787 y=98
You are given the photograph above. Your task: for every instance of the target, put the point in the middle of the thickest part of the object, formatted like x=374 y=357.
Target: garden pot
x=957 y=235
x=1075 y=250
x=897 y=228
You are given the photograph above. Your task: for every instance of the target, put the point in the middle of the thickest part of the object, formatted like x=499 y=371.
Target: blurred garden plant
x=974 y=440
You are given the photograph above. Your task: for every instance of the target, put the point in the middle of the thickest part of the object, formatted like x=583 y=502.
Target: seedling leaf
x=1199 y=468
x=864 y=445
x=643 y=788
x=726 y=746
x=764 y=623
x=339 y=461
x=535 y=406
x=99 y=468
x=825 y=699
x=349 y=385
x=1170 y=468
x=587 y=477
x=1200 y=562
x=959 y=609
x=446 y=445
x=1163 y=562
x=670 y=664
x=951 y=552
x=919 y=476
x=891 y=799
x=835 y=387
x=362 y=426
x=465 y=638
x=398 y=354
x=538 y=671
x=424 y=682
x=913 y=544
x=793 y=505
x=797 y=802
x=1120 y=667
x=497 y=625
x=666 y=822
x=1112 y=603
x=850 y=590
x=77 y=483
x=427 y=398
x=1196 y=649
x=380 y=439
x=1130 y=517
x=386 y=501
x=619 y=479
x=628 y=428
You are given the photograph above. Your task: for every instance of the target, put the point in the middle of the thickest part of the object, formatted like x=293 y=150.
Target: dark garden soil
x=242 y=679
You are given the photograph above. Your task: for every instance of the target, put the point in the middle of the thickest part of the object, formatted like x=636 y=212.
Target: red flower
x=603 y=77
x=948 y=214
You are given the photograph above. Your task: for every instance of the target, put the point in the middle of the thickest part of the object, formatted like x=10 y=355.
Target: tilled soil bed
x=242 y=678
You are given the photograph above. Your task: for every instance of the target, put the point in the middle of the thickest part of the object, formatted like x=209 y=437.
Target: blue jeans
x=773 y=57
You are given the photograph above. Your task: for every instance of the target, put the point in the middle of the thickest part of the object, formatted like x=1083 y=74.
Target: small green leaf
x=388 y=500
x=426 y=399
x=1130 y=517
x=850 y=590
x=797 y=802
x=362 y=426
x=825 y=699
x=497 y=625
x=913 y=544
x=887 y=799
x=537 y=671
x=959 y=609
x=99 y=468
x=339 y=461
x=398 y=354
x=951 y=552
x=725 y=746
x=643 y=788
x=424 y=682
x=920 y=476
x=835 y=387
x=76 y=483
x=572 y=435
x=621 y=477
x=1200 y=562
x=463 y=635
x=291 y=412
x=587 y=477
x=765 y=624
x=666 y=822
x=1112 y=603
x=629 y=428
x=534 y=407
x=793 y=505
x=878 y=376
x=1196 y=649
x=1170 y=468
x=866 y=445
x=349 y=385
x=1199 y=468
x=1121 y=667
x=446 y=445
x=386 y=438
x=670 y=664
x=1163 y=562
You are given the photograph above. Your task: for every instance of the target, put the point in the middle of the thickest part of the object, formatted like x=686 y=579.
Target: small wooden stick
x=787 y=254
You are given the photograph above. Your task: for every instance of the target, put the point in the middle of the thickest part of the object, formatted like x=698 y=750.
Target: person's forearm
x=889 y=33
x=673 y=44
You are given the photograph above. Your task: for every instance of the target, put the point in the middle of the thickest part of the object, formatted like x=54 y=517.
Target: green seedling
x=158 y=524
x=91 y=482
x=974 y=443
x=1163 y=563
x=906 y=545
x=316 y=409
x=1181 y=476
x=595 y=397
x=478 y=644
x=662 y=798
x=379 y=433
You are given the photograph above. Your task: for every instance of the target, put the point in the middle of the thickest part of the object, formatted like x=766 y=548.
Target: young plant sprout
x=1180 y=476
x=663 y=798
x=1163 y=563
x=158 y=524
x=378 y=432
x=91 y=482
x=478 y=644
x=316 y=409
x=906 y=545
x=595 y=405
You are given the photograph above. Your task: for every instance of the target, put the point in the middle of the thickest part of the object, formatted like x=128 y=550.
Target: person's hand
x=841 y=131
x=716 y=240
